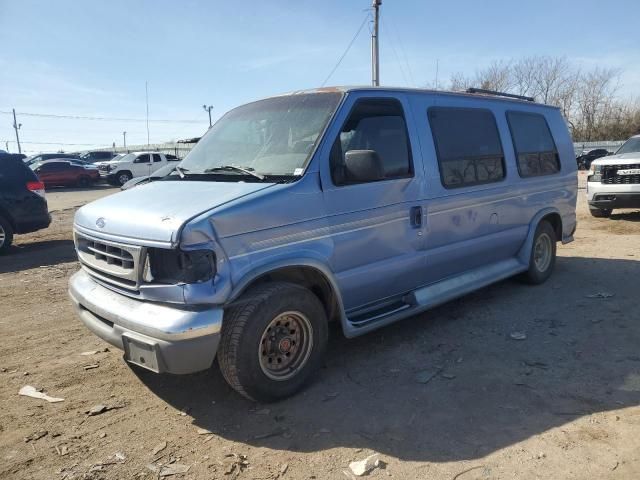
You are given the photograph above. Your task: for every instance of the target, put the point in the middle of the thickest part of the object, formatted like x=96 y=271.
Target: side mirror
x=363 y=166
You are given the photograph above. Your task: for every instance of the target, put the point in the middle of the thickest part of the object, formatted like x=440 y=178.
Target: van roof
x=366 y=88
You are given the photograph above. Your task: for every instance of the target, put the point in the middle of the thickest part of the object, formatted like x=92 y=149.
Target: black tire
x=84 y=182
x=600 y=212
x=540 y=270
x=123 y=177
x=6 y=235
x=241 y=353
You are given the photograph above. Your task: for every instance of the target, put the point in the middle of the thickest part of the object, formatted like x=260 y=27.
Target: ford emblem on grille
x=100 y=223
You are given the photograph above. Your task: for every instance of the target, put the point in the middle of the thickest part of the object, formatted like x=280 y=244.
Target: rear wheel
x=600 y=212
x=84 y=181
x=6 y=234
x=123 y=177
x=543 y=254
x=273 y=341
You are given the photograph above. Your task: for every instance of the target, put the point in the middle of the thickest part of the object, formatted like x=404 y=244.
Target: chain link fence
x=582 y=147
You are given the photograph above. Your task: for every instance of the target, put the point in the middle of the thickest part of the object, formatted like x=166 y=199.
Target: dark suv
x=23 y=208
x=584 y=160
x=97 y=156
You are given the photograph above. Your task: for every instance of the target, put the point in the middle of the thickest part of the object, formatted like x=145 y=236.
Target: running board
x=436 y=294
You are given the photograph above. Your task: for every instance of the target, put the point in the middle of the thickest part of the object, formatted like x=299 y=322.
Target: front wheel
x=123 y=177
x=543 y=254
x=273 y=340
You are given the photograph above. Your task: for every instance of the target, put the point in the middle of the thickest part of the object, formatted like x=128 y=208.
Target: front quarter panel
x=286 y=226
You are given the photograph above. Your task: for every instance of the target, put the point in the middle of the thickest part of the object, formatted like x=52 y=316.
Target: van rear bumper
x=158 y=337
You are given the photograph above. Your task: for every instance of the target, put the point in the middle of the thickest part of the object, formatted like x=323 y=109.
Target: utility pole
x=17 y=127
x=6 y=144
x=208 y=110
x=124 y=139
x=375 y=52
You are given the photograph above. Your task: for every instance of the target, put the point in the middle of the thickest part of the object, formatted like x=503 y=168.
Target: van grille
x=110 y=262
x=610 y=175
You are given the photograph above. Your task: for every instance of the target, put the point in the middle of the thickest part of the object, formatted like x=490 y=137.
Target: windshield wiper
x=181 y=170
x=246 y=171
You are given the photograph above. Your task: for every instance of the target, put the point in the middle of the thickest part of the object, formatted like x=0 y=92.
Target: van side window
x=379 y=125
x=536 y=151
x=467 y=146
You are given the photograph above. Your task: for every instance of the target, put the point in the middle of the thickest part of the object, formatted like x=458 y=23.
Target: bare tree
x=588 y=99
x=595 y=99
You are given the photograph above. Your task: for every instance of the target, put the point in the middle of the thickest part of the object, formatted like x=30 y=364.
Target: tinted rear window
x=467 y=145
x=536 y=151
x=14 y=171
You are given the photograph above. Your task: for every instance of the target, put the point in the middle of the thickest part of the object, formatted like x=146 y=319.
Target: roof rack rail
x=500 y=94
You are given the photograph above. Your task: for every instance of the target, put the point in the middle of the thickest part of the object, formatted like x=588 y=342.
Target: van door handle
x=415 y=217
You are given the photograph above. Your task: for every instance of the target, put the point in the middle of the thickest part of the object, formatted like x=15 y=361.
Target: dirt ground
x=445 y=395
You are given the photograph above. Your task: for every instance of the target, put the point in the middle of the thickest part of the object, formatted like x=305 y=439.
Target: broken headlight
x=176 y=266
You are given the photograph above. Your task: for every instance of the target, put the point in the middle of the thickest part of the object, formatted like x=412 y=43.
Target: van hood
x=152 y=214
x=623 y=158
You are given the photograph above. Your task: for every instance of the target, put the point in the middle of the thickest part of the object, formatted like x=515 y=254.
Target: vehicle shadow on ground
x=488 y=391
x=632 y=216
x=37 y=254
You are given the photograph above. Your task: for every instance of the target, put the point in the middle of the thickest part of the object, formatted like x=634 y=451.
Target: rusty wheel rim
x=285 y=345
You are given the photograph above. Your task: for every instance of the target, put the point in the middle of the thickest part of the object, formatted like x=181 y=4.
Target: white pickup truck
x=124 y=167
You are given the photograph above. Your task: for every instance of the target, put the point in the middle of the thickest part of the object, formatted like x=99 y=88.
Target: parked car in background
x=614 y=182
x=630 y=146
x=584 y=160
x=41 y=157
x=157 y=175
x=136 y=164
x=23 y=207
x=361 y=206
x=57 y=173
x=97 y=156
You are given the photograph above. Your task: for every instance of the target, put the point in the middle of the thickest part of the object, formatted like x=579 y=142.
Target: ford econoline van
x=361 y=206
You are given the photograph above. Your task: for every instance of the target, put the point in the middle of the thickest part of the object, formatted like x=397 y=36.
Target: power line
x=110 y=119
x=55 y=143
x=395 y=53
x=402 y=51
x=347 y=49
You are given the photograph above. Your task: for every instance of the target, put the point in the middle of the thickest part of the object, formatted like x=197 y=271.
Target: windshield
x=275 y=136
x=121 y=156
x=631 y=145
x=164 y=171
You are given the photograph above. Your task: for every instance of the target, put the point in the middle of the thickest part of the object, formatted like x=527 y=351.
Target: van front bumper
x=159 y=337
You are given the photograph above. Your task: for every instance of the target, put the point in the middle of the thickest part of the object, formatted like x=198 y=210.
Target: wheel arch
x=551 y=215
x=309 y=273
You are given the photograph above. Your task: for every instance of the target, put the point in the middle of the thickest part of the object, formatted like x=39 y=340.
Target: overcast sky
x=92 y=58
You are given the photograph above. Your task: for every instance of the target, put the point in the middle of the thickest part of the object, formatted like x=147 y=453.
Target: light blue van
x=361 y=206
